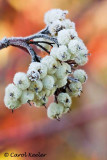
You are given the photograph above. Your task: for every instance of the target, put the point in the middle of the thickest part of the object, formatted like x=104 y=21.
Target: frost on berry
x=36 y=86
x=75 y=86
x=76 y=93
x=11 y=104
x=61 y=82
x=21 y=80
x=12 y=95
x=40 y=68
x=13 y=92
x=78 y=51
x=66 y=35
x=54 y=14
x=51 y=64
x=62 y=53
x=81 y=59
x=53 y=52
x=62 y=71
x=80 y=75
x=65 y=99
x=68 y=24
x=27 y=96
x=40 y=99
x=55 y=27
x=55 y=110
x=57 y=73
x=33 y=75
x=48 y=82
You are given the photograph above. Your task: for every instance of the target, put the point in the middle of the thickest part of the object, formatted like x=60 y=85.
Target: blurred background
x=81 y=134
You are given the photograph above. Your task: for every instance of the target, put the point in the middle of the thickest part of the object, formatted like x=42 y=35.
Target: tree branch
x=24 y=42
x=41 y=36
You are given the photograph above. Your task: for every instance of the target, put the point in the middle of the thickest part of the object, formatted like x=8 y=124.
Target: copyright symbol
x=6 y=154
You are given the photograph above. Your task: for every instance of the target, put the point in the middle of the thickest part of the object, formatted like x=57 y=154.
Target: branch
x=72 y=79
x=44 y=31
x=49 y=43
x=35 y=57
x=24 y=43
x=41 y=36
x=40 y=46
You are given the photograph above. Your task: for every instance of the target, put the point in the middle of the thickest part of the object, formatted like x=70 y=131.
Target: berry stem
x=36 y=42
x=40 y=46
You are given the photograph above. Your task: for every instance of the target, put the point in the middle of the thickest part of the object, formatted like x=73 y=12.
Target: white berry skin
x=76 y=94
x=37 y=103
x=41 y=98
x=54 y=14
x=52 y=91
x=68 y=24
x=66 y=110
x=41 y=102
x=73 y=93
x=53 y=52
x=55 y=27
x=68 y=68
x=64 y=99
x=75 y=86
x=48 y=47
x=73 y=48
x=21 y=80
x=81 y=59
x=47 y=92
x=12 y=92
x=62 y=53
x=10 y=104
x=61 y=82
x=77 y=47
x=40 y=95
x=27 y=96
x=48 y=82
x=54 y=77
x=33 y=75
x=36 y=86
x=41 y=68
x=51 y=64
x=80 y=75
x=62 y=71
x=65 y=35
x=55 y=110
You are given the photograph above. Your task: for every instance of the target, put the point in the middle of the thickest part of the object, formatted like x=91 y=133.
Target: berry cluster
x=56 y=74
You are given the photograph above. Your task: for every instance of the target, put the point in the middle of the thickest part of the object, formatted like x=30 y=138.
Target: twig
x=24 y=42
x=72 y=79
x=40 y=46
x=44 y=31
x=44 y=42
x=41 y=36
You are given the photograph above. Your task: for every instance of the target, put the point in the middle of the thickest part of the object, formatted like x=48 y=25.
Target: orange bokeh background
x=85 y=142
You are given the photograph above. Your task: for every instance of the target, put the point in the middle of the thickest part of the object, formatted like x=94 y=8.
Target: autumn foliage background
x=29 y=129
